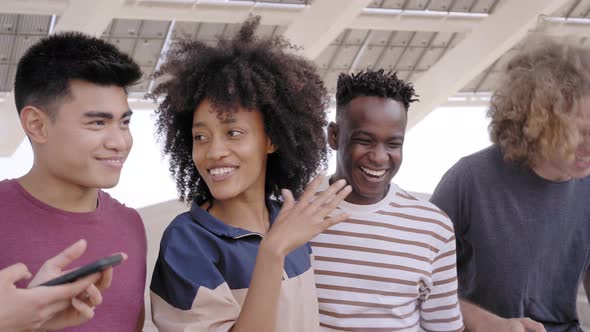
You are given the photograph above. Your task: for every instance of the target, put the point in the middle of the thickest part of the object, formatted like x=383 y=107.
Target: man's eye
x=233 y=133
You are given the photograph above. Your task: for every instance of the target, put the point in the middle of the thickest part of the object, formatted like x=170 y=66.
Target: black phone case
x=85 y=270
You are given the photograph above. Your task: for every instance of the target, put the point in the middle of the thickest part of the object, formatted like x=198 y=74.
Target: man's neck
x=548 y=172
x=357 y=199
x=59 y=193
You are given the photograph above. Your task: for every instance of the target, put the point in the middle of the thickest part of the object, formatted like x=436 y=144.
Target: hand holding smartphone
x=97 y=266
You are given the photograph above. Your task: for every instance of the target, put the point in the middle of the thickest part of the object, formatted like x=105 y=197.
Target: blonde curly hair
x=534 y=109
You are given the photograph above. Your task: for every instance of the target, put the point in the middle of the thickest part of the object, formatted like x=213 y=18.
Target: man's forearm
x=475 y=318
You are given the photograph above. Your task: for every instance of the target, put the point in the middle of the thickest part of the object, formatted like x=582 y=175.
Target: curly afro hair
x=253 y=73
x=373 y=83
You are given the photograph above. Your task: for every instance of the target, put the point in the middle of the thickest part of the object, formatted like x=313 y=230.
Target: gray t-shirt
x=523 y=242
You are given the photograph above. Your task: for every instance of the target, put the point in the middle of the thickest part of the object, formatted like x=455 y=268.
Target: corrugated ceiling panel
x=421 y=38
x=345 y=56
x=484 y=6
x=125 y=45
x=430 y=57
x=154 y=29
x=463 y=5
x=10 y=78
x=369 y=57
x=330 y=80
x=356 y=37
x=323 y=60
x=442 y=39
x=22 y=43
x=6 y=47
x=185 y=30
x=417 y=5
x=8 y=23
x=408 y=59
x=147 y=51
x=125 y=28
x=33 y=24
x=3 y=76
x=390 y=57
x=144 y=83
x=379 y=37
x=440 y=5
x=402 y=38
x=210 y=31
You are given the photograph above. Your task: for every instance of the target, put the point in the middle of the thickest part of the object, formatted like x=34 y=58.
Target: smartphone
x=98 y=266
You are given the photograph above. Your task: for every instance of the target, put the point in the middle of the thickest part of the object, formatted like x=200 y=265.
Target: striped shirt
x=390 y=267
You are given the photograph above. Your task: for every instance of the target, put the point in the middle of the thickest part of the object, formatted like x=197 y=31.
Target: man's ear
x=34 y=122
x=333 y=135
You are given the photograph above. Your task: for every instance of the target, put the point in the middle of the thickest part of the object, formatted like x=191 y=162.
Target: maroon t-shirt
x=32 y=232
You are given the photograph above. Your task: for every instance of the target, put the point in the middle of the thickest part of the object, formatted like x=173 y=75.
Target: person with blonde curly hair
x=519 y=207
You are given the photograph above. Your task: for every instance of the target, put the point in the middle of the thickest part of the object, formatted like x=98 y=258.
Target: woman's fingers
x=335 y=200
x=311 y=189
x=328 y=194
x=329 y=222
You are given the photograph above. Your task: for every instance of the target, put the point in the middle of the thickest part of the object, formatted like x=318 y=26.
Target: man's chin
x=107 y=183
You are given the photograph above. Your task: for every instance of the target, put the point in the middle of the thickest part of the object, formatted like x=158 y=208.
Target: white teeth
x=221 y=171
x=372 y=172
x=113 y=161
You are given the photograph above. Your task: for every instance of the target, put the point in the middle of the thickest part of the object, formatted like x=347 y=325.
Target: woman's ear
x=333 y=135
x=270 y=147
x=34 y=122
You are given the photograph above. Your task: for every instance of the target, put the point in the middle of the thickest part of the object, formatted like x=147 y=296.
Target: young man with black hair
x=70 y=93
x=391 y=265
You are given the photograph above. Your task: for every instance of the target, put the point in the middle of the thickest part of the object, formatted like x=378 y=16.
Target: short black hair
x=373 y=83
x=44 y=72
x=256 y=74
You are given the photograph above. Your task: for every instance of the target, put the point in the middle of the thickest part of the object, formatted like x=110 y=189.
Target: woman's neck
x=247 y=211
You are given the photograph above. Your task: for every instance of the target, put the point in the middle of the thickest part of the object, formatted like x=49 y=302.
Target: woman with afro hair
x=243 y=125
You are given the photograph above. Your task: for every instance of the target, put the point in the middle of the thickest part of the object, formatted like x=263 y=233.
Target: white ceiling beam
x=282 y=14
x=231 y=12
x=34 y=7
x=487 y=42
x=394 y=20
x=74 y=17
x=88 y=16
x=319 y=24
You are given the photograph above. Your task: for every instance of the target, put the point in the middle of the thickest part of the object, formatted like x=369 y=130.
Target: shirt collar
x=221 y=229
